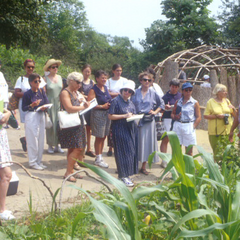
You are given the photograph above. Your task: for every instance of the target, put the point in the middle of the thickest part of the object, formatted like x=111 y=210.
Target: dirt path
x=56 y=165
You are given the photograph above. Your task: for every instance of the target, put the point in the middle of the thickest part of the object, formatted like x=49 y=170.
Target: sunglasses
x=37 y=81
x=146 y=80
x=188 y=89
x=128 y=90
x=53 y=67
x=30 y=67
x=78 y=82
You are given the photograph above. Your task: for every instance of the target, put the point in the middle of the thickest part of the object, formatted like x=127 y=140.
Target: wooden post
x=170 y=72
x=223 y=76
x=232 y=90
x=213 y=78
x=238 y=88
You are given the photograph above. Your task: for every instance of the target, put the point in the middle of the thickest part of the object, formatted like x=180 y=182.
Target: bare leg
x=190 y=152
x=5 y=175
x=99 y=143
x=88 y=128
x=164 y=143
x=73 y=153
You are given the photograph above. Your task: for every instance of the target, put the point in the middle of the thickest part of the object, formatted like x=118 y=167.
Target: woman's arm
x=197 y=115
x=113 y=94
x=5 y=116
x=175 y=116
x=18 y=92
x=92 y=95
x=67 y=104
x=119 y=116
x=155 y=112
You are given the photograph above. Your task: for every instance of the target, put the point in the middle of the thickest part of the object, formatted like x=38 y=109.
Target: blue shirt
x=170 y=99
x=102 y=97
x=29 y=97
x=151 y=101
x=187 y=109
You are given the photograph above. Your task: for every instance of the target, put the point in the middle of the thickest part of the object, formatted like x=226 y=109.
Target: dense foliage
x=46 y=29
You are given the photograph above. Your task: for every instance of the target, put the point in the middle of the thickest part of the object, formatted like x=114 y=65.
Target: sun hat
x=187 y=85
x=205 y=77
x=129 y=84
x=50 y=62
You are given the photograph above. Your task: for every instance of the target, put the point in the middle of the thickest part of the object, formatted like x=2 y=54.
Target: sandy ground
x=56 y=165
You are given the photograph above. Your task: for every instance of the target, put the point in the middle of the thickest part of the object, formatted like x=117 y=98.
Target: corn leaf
x=104 y=214
x=205 y=231
x=125 y=193
x=190 y=216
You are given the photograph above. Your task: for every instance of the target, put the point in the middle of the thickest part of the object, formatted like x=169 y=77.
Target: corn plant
x=206 y=205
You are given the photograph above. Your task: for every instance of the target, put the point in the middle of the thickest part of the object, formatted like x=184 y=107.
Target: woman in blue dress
x=124 y=133
x=147 y=101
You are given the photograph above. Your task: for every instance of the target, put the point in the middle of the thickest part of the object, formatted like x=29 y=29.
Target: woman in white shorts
x=187 y=116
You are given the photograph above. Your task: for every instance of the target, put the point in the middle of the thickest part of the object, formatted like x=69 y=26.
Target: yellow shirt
x=217 y=126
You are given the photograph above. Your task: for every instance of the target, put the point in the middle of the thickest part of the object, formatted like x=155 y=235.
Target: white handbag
x=48 y=122
x=68 y=120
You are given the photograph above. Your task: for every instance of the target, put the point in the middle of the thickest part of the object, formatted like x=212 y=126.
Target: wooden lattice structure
x=200 y=60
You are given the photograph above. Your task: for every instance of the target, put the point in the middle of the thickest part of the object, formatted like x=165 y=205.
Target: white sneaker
x=58 y=149
x=50 y=150
x=127 y=181
x=101 y=163
x=6 y=215
x=163 y=164
x=18 y=128
x=43 y=166
x=37 y=167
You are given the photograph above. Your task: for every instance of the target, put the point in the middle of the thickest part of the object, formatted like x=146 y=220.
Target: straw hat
x=50 y=62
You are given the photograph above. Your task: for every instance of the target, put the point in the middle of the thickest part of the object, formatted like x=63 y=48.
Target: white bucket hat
x=205 y=77
x=130 y=85
x=50 y=62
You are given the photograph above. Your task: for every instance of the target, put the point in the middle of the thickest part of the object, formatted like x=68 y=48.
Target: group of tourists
x=114 y=117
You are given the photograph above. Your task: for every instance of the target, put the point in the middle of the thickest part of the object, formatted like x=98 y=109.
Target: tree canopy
x=21 y=22
x=60 y=29
x=188 y=25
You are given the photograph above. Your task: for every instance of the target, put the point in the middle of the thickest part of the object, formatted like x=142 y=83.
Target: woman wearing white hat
x=124 y=133
x=54 y=87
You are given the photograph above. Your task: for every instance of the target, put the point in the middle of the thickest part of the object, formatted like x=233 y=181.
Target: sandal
x=144 y=171
x=24 y=143
x=78 y=176
x=90 y=154
x=109 y=153
x=71 y=179
x=76 y=167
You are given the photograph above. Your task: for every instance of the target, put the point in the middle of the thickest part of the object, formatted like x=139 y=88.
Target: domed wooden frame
x=200 y=60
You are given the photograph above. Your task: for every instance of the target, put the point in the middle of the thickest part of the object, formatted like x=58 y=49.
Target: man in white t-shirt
x=206 y=80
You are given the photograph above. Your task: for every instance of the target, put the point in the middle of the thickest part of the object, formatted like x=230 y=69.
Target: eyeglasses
x=128 y=90
x=37 y=81
x=78 y=82
x=188 y=89
x=30 y=67
x=53 y=67
x=146 y=80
